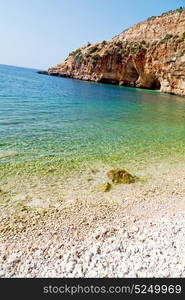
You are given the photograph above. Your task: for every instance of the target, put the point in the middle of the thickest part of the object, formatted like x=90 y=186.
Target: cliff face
x=150 y=55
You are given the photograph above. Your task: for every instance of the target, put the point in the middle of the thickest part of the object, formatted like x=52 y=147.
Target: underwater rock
x=120 y=176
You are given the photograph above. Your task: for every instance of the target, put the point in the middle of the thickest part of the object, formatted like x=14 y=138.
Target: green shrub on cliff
x=137 y=48
x=76 y=52
x=106 y=52
x=180 y=9
x=79 y=57
x=150 y=18
x=153 y=45
x=167 y=12
x=92 y=49
x=166 y=38
x=95 y=57
x=181 y=39
x=119 y=44
x=124 y=51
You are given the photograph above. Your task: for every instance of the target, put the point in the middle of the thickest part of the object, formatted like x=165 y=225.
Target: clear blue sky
x=40 y=33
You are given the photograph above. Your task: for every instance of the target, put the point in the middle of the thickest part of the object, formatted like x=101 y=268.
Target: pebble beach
x=141 y=235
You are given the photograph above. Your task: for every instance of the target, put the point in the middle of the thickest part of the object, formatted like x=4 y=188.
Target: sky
x=40 y=33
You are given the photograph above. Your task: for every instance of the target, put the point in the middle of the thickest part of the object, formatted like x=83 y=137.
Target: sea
x=61 y=124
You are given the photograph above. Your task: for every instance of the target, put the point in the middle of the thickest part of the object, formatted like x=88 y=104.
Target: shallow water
x=48 y=121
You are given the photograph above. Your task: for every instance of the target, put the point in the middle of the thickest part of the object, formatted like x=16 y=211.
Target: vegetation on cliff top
x=180 y=10
x=76 y=52
x=91 y=49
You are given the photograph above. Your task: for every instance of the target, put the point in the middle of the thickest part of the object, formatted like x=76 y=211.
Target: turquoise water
x=47 y=120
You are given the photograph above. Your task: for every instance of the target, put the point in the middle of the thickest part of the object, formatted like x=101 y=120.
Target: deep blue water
x=44 y=117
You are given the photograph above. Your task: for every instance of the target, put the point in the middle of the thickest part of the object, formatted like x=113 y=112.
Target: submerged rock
x=105 y=187
x=120 y=176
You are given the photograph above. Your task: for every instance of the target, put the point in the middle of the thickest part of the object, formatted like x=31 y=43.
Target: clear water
x=47 y=121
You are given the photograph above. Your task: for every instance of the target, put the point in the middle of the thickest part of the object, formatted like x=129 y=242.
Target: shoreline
x=46 y=190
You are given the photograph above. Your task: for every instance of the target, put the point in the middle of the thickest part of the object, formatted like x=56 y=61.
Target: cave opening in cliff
x=130 y=75
x=150 y=82
x=109 y=81
x=156 y=85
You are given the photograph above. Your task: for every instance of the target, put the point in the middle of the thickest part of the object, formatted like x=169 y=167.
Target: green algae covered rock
x=120 y=176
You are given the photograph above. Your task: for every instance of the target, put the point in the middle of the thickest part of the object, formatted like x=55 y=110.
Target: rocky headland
x=150 y=54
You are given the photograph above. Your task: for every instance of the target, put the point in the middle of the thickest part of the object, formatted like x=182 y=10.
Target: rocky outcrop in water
x=149 y=55
x=43 y=72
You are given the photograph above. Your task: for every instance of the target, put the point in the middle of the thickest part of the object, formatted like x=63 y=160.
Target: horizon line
x=24 y=67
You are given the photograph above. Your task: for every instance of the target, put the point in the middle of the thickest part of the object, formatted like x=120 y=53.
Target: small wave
x=6 y=154
x=9 y=122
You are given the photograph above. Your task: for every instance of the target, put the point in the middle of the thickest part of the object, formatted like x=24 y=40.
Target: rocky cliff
x=149 y=55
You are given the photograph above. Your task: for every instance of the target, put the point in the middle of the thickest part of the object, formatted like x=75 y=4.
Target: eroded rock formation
x=149 y=55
